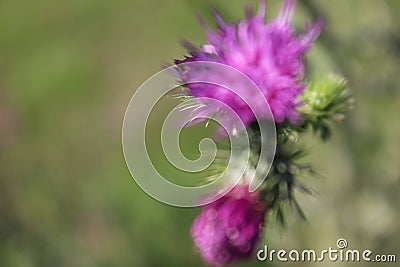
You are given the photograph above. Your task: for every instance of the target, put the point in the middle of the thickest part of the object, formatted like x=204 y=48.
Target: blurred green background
x=67 y=72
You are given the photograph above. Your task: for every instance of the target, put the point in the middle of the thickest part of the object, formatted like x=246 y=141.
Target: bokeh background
x=67 y=72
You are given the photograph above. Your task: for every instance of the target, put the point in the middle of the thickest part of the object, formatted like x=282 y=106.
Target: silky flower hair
x=271 y=54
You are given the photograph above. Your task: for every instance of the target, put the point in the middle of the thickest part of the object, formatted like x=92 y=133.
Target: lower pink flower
x=228 y=229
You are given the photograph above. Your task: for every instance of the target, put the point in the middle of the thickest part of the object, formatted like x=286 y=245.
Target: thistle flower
x=271 y=54
x=228 y=229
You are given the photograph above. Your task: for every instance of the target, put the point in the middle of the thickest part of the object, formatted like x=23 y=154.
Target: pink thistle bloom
x=271 y=55
x=228 y=229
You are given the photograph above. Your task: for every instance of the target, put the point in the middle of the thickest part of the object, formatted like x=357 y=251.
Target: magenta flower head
x=272 y=55
x=228 y=229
